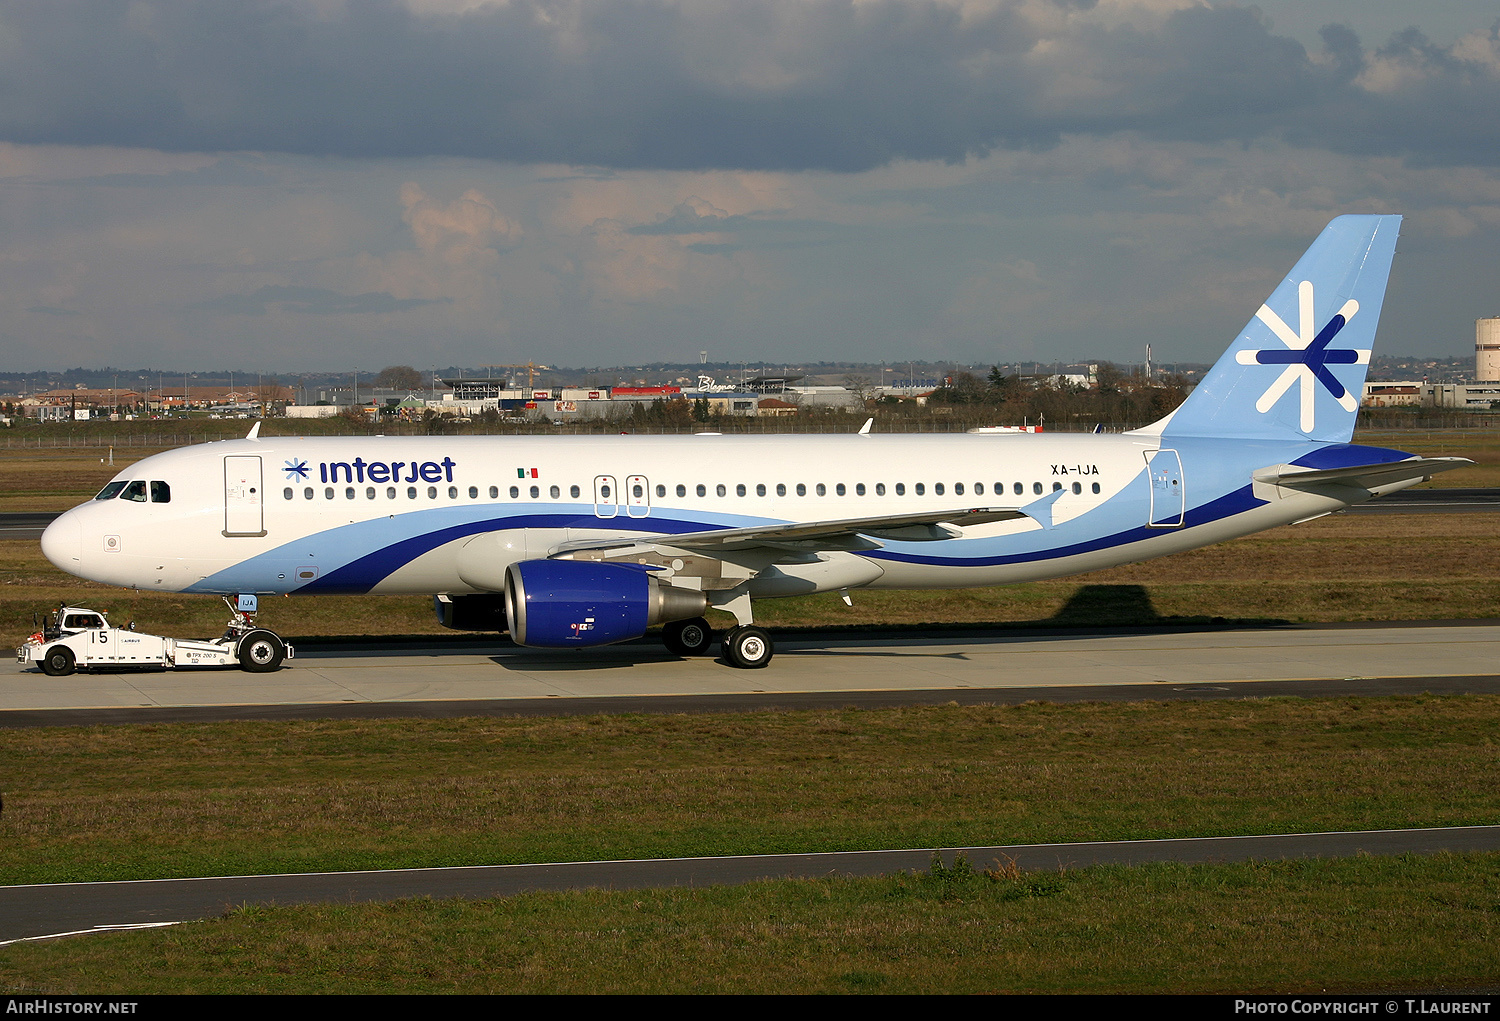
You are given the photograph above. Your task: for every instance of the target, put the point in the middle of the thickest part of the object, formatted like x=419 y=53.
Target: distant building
x=774 y=407
x=1487 y=349
x=1392 y=395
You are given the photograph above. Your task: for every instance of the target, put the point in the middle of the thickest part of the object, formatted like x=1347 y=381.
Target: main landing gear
x=745 y=646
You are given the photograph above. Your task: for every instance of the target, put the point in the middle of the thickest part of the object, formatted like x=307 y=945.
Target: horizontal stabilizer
x=1365 y=476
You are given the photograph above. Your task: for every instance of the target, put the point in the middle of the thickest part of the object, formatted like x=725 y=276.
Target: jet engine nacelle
x=554 y=604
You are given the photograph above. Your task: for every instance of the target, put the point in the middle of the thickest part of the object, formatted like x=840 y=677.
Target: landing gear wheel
x=688 y=637
x=261 y=652
x=58 y=662
x=748 y=647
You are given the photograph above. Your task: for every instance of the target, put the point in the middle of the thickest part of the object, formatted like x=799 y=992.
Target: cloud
x=692 y=84
x=459 y=232
x=695 y=216
x=310 y=301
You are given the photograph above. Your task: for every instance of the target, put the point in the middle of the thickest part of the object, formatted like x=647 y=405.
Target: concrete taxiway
x=828 y=663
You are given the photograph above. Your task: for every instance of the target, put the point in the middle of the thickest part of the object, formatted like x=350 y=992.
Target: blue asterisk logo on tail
x=1306 y=357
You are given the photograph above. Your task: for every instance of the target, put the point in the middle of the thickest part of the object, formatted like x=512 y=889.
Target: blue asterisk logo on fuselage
x=295 y=469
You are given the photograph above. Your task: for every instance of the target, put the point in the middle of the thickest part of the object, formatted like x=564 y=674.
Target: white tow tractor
x=78 y=638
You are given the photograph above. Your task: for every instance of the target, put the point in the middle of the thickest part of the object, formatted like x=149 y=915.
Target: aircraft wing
x=843 y=533
x=1364 y=476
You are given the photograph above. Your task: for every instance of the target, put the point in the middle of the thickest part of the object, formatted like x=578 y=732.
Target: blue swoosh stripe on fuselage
x=1225 y=506
x=363 y=573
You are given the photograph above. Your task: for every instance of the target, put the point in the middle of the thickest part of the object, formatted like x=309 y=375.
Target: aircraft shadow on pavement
x=1092 y=609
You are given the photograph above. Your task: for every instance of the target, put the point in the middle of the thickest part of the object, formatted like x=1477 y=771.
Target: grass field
x=143 y=801
x=1353 y=925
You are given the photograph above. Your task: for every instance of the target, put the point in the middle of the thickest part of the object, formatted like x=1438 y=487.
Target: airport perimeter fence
x=112 y=435
x=170 y=440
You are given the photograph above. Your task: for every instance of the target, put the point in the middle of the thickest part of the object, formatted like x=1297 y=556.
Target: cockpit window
x=161 y=492
x=110 y=491
x=134 y=491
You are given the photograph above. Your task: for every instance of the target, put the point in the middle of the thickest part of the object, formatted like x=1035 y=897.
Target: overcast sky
x=318 y=184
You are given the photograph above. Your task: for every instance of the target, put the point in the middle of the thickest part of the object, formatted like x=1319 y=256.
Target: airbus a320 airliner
x=581 y=541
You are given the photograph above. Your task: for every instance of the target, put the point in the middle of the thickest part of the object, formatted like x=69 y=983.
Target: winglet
x=254 y=433
x=864 y=430
x=1040 y=511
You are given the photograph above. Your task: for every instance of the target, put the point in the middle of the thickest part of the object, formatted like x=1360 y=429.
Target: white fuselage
x=446 y=514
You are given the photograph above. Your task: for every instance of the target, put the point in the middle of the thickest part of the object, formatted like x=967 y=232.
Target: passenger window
x=880 y=489
x=781 y=489
x=515 y=492
x=720 y=489
x=287 y=493
x=1056 y=486
x=1096 y=487
x=920 y=489
x=573 y=492
x=349 y=493
x=307 y=494
x=135 y=491
x=432 y=492
x=801 y=489
x=328 y=493
x=162 y=493
x=1021 y=489
x=1077 y=488
x=901 y=489
x=495 y=492
x=702 y=489
x=822 y=489
x=938 y=489
x=536 y=492
x=110 y=491
x=760 y=489
x=556 y=493
x=739 y=490
x=859 y=489
x=390 y=492
x=839 y=489
x=979 y=489
x=411 y=492
x=636 y=490
x=681 y=489
x=958 y=489
x=370 y=493
x=473 y=492
x=1036 y=487
x=453 y=492
x=661 y=491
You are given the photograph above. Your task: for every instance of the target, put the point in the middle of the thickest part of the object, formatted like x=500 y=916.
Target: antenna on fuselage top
x=864 y=430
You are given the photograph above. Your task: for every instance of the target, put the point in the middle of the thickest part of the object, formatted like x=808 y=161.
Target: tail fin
x=1297 y=370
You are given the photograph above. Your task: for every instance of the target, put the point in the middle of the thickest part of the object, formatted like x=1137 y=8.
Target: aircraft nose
x=62 y=542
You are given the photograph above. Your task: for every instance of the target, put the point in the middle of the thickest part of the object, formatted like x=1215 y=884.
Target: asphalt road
x=77 y=908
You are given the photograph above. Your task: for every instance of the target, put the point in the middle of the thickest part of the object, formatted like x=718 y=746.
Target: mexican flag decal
x=526 y=473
